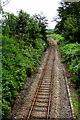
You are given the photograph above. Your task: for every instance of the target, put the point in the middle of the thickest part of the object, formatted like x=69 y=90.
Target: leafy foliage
x=71 y=56
x=68 y=21
x=9 y=24
x=42 y=21
x=22 y=49
x=68 y=26
x=14 y=72
x=70 y=30
x=58 y=38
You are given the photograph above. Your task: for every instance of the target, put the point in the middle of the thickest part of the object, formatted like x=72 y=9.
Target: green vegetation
x=71 y=57
x=68 y=21
x=69 y=28
x=50 y=31
x=75 y=103
x=23 y=45
x=67 y=34
x=24 y=39
x=57 y=37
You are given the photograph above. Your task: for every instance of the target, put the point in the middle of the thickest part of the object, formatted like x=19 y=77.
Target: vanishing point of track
x=41 y=104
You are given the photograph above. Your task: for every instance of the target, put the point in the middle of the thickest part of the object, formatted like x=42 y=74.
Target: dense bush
x=68 y=21
x=17 y=65
x=14 y=72
x=70 y=30
x=71 y=55
x=22 y=49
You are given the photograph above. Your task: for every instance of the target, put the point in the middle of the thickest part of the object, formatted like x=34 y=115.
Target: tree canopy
x=69 y=21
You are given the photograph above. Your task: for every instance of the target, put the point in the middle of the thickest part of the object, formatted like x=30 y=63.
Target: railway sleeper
x=39 y=110
x=43 y=94
x=44 y=106
x=42 y=98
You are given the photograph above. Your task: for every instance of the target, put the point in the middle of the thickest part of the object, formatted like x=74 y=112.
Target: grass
x=75 y=103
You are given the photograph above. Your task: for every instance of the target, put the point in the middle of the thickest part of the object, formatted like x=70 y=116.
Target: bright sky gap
x=47 y=7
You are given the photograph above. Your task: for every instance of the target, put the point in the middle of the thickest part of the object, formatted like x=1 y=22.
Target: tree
x=22 y=25
x=70 y=29
x=9 y=24
x=69 y=21
x=42 y=21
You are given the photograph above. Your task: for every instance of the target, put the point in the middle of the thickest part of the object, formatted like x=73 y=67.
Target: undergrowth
x=24 y=40
x=17 y=65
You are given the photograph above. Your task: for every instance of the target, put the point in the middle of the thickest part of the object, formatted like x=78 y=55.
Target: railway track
x=41 y=103
x=41 y=106
x=50 y=97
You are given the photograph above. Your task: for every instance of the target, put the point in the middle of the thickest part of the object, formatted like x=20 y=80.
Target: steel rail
x=38 y=88
x=51 y=86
